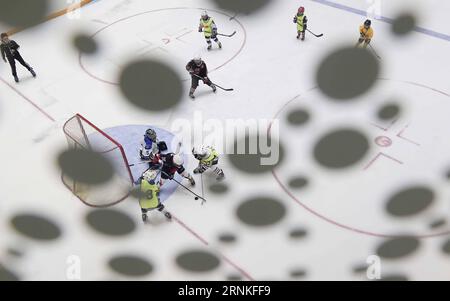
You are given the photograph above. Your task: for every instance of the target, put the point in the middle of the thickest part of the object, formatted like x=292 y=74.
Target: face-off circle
x=404 y=153
x=171 y=42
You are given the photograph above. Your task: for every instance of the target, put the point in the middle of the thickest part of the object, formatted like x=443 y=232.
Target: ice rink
x=325 y=224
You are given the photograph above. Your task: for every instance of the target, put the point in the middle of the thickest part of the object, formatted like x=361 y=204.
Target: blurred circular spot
x=298 y=117
x=341 y=148
x=410 y=201
x=404 y=24
x=446 y=247
x=131 y=266
x=389 y=112
x=85 y=166
x=298 y=273
x=240 y=6
x=151 y=85
x=347 y=73
x=252 y=161
x=14 y=252
x=438 y=223
x=219 y=188
x=110 y=222
x=7 y=275
x=36 y=227
x=360 y=268
x=298 y=182
x=227 y=238
x=198 y=261
x=23 y=13
x=395 y=277
x=261 y=211
x=234 y=278
x=298 y=233
x=398 y=247
x=85 y=44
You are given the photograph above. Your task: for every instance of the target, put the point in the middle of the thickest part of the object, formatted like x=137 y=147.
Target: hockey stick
x=233 y=17
x=374 y=52
x=226 y=35
x=179 y=183
x=231 y=89
x=316 y=35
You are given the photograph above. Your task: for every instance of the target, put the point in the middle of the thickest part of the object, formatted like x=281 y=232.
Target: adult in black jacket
x=198 y=70
x=10 y=51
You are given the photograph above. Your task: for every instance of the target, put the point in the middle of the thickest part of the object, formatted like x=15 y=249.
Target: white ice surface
x=272 y=68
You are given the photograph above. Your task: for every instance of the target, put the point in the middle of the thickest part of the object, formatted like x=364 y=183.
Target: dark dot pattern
x=240 y=6
x=227 y=238
x=110 y=222
x=446 y=247
x=130 y=265
x=261 y=211
x=219 y=188
x=389 y=112
x=15 y=252
x=347 y=73
x=404 y=24
x=251 y=163
x=198 y=261
x=298 y=233
x=398 y=247
x=298 y=117
x=341 y=148
x=395 y=277
x=23 y=13
x=151 y=85
x=234 y=278
x=85 y=166
x=298 y=182
x=438 y=223
x=410 y=201
x=7 y=275
x=85 y=44
x=298 y=273
x=36 y=227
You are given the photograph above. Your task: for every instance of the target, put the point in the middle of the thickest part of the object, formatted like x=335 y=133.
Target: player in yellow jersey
x=149 y=194
x=302 y=23
x=208 y=158
x=365 y=34
x=209 y=29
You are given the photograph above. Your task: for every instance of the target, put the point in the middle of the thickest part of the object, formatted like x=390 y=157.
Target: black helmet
x=368 y=23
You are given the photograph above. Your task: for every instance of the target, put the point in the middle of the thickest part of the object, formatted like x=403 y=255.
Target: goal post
x=83 y=134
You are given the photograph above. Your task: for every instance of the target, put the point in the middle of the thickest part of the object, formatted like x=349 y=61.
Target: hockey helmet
x=301 y=10
x=198 y=60
x=205 y=15
x=150 y=175
x=177 y=160
x=150 y=133
x=199 y=152
x=367 y=23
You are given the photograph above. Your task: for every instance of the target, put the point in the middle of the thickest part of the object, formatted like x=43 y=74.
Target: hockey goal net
x=83 y=134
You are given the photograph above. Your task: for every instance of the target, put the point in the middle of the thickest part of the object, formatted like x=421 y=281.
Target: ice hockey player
x=365 y=34
x=302 y=23
x=150 y=147
x=149 y=194
x=10 y=51
x=198 y=70
x=172 y=163
x=208 y=158
x=209 y=29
